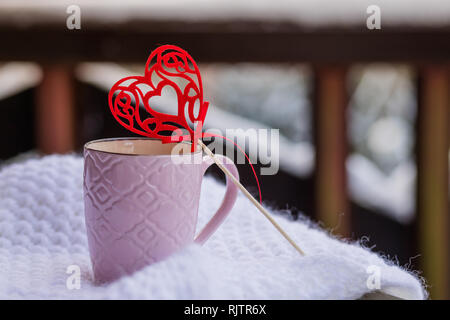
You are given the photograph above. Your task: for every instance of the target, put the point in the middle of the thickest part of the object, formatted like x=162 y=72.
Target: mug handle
x=227 y=202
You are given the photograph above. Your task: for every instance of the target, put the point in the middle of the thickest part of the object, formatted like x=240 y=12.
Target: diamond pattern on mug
x=119 y=214
x=94 y=173
x=125 y=173
x=101 y=193
x=146 y=197
x=103 y=232
x=141 y=234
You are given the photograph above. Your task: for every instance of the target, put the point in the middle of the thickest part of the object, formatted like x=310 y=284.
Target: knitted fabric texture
x=42 y=233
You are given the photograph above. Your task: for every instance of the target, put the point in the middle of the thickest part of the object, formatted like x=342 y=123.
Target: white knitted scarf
x=42 y=234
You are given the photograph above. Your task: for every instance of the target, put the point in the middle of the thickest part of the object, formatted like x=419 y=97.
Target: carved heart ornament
x=131 y=98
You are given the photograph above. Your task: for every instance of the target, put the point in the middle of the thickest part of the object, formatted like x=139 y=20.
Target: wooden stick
x=250 y=197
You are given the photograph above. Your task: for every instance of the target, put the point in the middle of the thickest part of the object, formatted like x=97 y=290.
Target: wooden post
x=331 y=200
x=55 y=110
x=432 y=182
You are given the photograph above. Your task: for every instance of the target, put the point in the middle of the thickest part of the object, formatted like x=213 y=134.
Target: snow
x=312 y=13
x=393 y=194
x=16 y=77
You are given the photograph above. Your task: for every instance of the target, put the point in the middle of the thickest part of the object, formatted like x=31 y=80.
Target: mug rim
x=85 y=147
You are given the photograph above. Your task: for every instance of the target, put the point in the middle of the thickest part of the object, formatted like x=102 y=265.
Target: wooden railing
x=331 y=51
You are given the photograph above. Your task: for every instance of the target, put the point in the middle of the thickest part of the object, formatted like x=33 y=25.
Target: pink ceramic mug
x=141 y=202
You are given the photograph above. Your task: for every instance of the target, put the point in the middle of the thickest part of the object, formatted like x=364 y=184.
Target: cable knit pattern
x=42 y=232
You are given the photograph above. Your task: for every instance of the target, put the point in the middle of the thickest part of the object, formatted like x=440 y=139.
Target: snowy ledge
x=16 y=77
x=312 y=13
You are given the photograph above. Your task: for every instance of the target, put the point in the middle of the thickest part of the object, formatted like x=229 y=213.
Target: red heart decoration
x=172 y=66
x=168 y=65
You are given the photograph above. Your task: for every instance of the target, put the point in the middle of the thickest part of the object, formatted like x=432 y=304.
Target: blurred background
x=363 y=114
